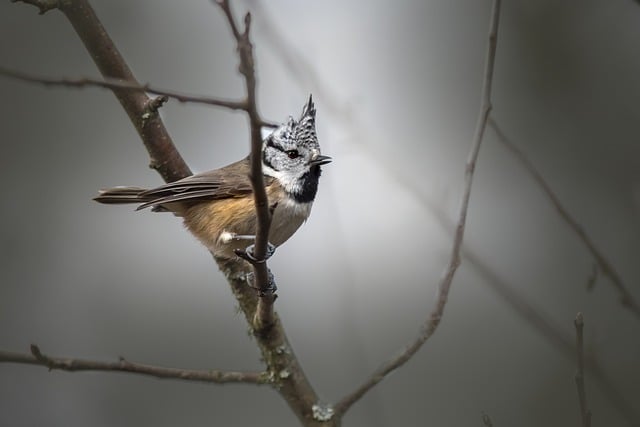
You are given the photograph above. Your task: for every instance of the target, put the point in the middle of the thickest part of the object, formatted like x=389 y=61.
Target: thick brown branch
x=585 y=414
x=118 y=84
x=433 y=320
x=284 y=368
x=626 y=298
x=73 y=365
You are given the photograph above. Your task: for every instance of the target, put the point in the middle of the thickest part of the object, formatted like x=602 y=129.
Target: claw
x=249 y=252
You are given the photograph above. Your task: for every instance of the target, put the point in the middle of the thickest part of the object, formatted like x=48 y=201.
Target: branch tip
x=43 y=5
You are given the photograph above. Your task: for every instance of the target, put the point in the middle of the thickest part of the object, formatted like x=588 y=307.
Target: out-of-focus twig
x=304 y=73
x=585 y=413
x=605 y=267
x=434 y=318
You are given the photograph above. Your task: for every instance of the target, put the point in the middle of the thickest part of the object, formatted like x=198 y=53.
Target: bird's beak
x=320 y=160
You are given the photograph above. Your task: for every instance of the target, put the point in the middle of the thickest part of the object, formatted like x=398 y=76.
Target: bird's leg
x=249 y=253
x=251 y=248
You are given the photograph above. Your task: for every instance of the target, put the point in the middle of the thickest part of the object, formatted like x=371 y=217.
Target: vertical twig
x=486 y=420
x=585 y=414
x=264 y=315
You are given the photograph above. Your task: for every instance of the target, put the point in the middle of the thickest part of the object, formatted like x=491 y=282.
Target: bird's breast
x=287 y=217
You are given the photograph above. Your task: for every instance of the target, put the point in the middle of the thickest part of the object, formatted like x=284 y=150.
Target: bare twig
x=74 y=365
x=290 y=380
x=605 y=267
x=43 y=5
x=551 y=332
x=114 y=84
x=585 y=414
x=433 y=320
x=246 y=68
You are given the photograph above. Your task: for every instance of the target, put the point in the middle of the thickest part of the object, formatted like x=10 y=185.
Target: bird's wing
x=227 y=182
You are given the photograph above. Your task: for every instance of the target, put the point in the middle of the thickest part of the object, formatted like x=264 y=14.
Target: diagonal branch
x=114 y=84
x=301 y=70
x=74 y=365
x=43 y=5
x=626 y=298
x=433 y=320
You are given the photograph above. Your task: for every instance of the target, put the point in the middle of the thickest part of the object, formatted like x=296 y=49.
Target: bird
x=217 y=206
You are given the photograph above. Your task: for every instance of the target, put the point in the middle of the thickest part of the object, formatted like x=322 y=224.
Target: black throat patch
x=308 y=186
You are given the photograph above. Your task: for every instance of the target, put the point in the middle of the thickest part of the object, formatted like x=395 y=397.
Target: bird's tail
x=121 y=195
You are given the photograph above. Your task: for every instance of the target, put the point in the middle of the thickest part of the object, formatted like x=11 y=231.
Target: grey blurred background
x=397 y=90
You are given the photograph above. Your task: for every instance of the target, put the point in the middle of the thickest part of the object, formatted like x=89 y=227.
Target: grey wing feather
x=230 y=181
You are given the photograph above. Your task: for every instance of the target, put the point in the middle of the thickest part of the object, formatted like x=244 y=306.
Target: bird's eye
x=293 y=154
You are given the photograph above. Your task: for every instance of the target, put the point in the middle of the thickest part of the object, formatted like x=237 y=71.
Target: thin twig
x=114 y=84
x=606 y=268
x=289 y=378
x=585 y=413
x=74 y=365
x=264 y=314
x=486 y=420
x=433 y=320
x=43 y=5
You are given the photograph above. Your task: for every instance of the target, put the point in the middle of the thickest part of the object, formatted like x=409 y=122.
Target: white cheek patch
x=288 y=181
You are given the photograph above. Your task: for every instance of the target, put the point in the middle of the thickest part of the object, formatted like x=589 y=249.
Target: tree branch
x=74 y=365
x=264 y=313
x=284 y=371
x=585 y=414
x=288 y=376
x=433 y=320
x=626 y=298
x=114 y=84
